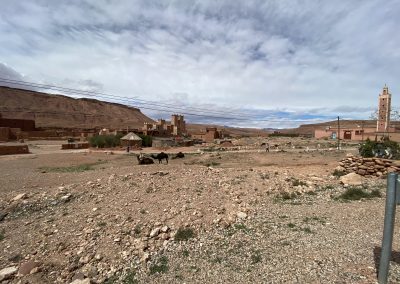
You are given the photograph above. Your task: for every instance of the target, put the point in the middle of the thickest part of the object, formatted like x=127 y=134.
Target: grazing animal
x=144 y=160
x=160 y=157
x=180 y=155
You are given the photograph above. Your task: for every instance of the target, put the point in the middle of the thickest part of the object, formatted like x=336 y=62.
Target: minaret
x=384 y=110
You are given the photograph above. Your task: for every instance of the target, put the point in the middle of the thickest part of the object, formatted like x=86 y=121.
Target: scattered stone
x=155 y=232
x=8 y=272
x=351 y=179
x=165 y=229
x=20 y=196
x=66 y=197
x=241 y=215
x=27 y=267
x=3 y=215
x=79 y=281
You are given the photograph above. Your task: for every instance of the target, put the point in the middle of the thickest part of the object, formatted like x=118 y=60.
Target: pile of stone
x=368 y=166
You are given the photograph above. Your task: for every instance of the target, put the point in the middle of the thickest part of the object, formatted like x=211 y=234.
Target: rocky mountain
x=58 y=111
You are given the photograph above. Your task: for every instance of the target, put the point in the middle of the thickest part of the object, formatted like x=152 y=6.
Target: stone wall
x=13 y=149
x=75 y=146
x=368 y=166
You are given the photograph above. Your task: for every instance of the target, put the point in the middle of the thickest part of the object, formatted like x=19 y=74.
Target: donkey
x=160 y=157
x=144 y=160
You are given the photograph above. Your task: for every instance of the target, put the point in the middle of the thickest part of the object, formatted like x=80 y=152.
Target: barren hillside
x=66 y=112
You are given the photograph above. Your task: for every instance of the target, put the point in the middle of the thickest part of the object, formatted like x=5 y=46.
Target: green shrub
x=368 y=148
x=147 y=141
x=130 y=278
x=161 y=266
x=183 y=234
x=109 y=141
x=338 y=173
x=356 y=193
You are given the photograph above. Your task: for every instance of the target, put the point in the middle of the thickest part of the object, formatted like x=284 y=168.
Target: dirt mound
x=66 y=112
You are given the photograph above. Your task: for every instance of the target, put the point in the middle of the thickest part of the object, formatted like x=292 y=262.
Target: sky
x=273 y=64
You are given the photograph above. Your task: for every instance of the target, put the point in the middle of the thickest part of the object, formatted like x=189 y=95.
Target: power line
x=108 y=96
x=156 y=106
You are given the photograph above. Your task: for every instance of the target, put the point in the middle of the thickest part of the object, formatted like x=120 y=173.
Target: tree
x=394 y=115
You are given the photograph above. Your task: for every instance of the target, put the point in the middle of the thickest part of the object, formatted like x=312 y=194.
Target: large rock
x=27 y=267
x=8 y=272
x=351 y=179
x=396 y=163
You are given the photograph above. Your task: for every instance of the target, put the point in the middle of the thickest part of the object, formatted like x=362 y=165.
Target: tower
x=384 y=110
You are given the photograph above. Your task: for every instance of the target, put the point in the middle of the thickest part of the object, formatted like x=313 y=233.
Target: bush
x=356 y=193
x=147 y=141
x=183 y=234
x=338 y=173
x=109 y=141
x=366 y=149
x=377 y=148
x=160 y=267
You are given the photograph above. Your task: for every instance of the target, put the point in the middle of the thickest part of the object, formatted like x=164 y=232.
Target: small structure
x=131 y=140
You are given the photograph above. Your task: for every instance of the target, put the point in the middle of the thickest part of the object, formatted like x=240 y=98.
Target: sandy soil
x=211 y=217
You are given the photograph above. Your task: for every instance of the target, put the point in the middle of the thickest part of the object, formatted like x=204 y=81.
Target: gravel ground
x=207 y=218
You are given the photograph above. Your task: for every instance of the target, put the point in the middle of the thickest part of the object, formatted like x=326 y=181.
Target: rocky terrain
x=211 y=217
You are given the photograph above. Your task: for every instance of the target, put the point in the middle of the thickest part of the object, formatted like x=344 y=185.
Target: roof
x=131 y=136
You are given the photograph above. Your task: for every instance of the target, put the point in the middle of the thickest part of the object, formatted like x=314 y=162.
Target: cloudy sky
x=271 y=63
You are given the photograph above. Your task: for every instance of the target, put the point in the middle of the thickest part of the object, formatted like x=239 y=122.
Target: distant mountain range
x=58 y=111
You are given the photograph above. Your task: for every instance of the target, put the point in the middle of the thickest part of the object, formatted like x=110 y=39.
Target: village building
x=131 y=140
x=11 y=129
x=359 y=132
x=209 y=135
x=162 y=128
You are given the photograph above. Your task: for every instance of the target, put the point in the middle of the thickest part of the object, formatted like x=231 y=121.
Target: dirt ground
x=232 y=216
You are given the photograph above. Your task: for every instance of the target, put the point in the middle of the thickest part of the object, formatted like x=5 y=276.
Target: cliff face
x=66 y=112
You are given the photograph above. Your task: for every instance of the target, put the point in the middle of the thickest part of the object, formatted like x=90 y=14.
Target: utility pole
x=338 y=133
x=362 y=131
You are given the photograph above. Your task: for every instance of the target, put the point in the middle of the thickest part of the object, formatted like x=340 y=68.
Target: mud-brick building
x=22 y=124
x=11 y=129
x=209 y=136
x=162 y=128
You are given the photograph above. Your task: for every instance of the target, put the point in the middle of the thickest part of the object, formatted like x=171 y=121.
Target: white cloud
x=293 y=55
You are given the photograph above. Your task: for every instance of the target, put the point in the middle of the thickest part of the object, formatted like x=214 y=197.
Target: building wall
x=355 y=134
x=131 y=143
x=13 y=149
x=4 y=134
x=75 y=146
x=23 y=124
